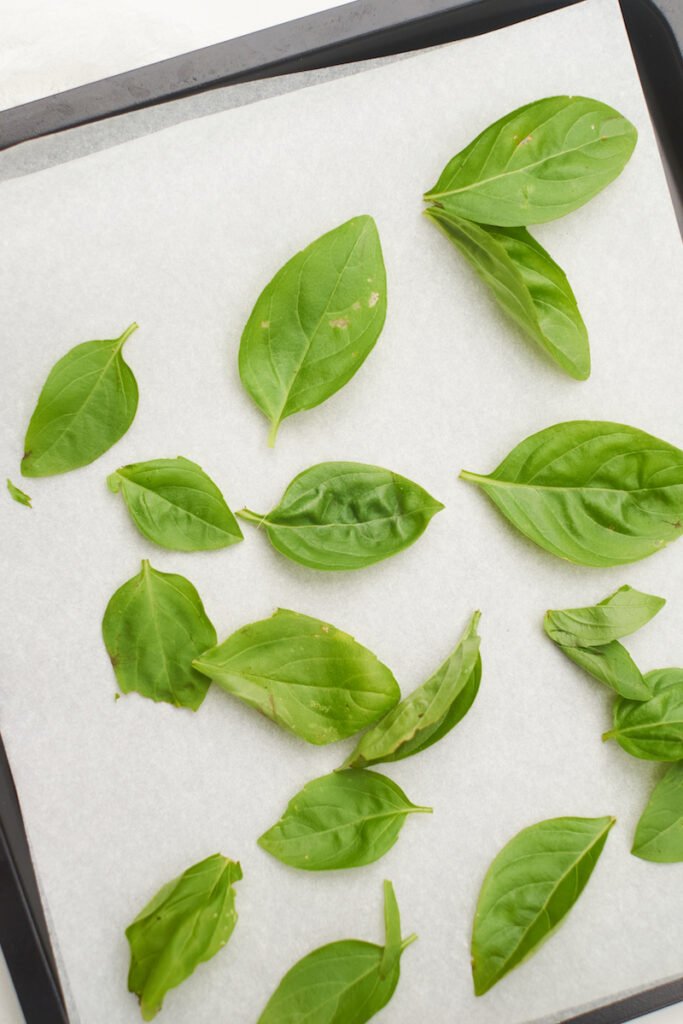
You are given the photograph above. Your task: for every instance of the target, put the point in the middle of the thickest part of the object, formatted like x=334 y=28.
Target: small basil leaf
x=421 y=719
x=18 y=495
x=342 y=820
x=346 y=515
x=188 y=921
x=87 y=403
x=528 y=285
x=592 y=492
x=659 y=833
x=652 y=729
x=616 y=616
x=612 y=665
x=529 y=888
x=304 y=674
x=538 y=162
x=316 y=322
x=175 y=504
x=154 y=625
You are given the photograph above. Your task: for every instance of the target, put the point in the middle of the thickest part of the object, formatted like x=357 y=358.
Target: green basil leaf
x=345 y=982
x=430 y=711
x=87 y=403
x=316 y=322
x=154 y=625
x=592 y=492
x=188 y=921
x=652 y=729
x=528 y=285
x=538 y=162
x=342 y=820
x=346 y=515
x=304 y=674
x=175 y=504
x=18 y=495
x=659 y=833
x=612 y=665
x=530 y=886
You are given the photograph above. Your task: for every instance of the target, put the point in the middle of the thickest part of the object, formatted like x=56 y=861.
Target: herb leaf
x=18 y=495
x=175 y=504
x=87 y=403
x=592 y=492
x=342 y=820
x=346 y=515
x=652 y=729
x=530 y=886
x=154 y=625
x=536 y=163
x=188 y=921
x=659 y=833
x=316 y=322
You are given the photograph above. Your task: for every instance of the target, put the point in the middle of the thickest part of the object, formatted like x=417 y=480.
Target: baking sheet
x=180 y=231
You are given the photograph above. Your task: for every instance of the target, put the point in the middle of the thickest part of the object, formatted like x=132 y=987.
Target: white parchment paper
x=180 y=231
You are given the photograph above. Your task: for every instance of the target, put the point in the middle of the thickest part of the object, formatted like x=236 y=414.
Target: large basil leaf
x=346 y=515
x=316 y=322
x=175 y=504
x=430 y=711
x=188 y=921
x=652 y=729
x=87 y=403
x=531 y=884
x=527 y=283
x=154 y=625
x=306 y=675
x=659 y=833
x=592 y=492
x=342 y=820
x=345 y=982
x=18 y=495
x=539 y=162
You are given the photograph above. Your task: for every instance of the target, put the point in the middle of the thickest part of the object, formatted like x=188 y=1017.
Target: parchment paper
x=180 y=231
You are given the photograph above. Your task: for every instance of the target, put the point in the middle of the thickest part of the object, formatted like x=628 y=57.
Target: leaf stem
x=609 y=735
x=423 y=810
x=126 y=334
x=409 y=941
x=474 y=477
x=274 y=426
x=251 y=517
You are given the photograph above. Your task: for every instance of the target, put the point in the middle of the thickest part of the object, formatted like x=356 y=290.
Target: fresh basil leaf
x=659 y=833
x=18 y=495
x=346 y=515
x=652 y=729
x=188 y=921
x=612 y=665
x=345 y=982
x=527 y=283
x=154 y=625
x=592 y=492
x=342 y=820
x=316 y=322
x=536 y=163
x=530 y=886
x=430 y=711
x=175 y=504
x=87 y=403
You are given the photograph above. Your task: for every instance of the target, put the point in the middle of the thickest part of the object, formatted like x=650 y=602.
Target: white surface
x=180 y=231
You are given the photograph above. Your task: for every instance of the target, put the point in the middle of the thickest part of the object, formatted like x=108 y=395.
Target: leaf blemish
x=265 y=323
x=341 y=322
x=373 y=300
x=356 y=305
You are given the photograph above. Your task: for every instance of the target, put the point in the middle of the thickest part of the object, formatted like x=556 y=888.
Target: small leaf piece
x=87 y=403
x=430 y=711
x=188 y=921
x=343 y=820
x=316 y=322
x=175 y=504
x=154 y=625
x=18 y=495
x=652 y=729
x=346 y=515
x=659 y=833
x=530 y=886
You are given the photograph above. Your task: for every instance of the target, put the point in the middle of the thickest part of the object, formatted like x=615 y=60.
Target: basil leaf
x=430 y=711
x=527 y=283
x=316 y=322
x=538 y=162
x=175 y=504
x=659 y=833
x=18 y=495
x=612 y=665
x=342 y=820
x=188 y=921
x=346 y=515
x=87 y=403
x=345 y=982
x=530 y=886
x=154 y=625
x=652 y=729
x=592 y=492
